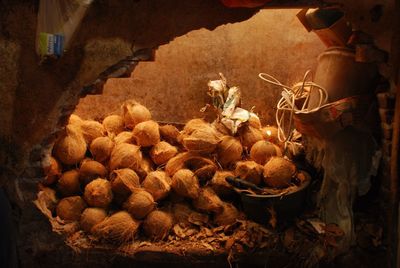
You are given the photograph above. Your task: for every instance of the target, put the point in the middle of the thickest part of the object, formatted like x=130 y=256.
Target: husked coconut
x=139 y=204
x=158 y=183
x=169 y=133
x=69 y=183
x=90 y=217
x=220 y=186
x=186 y=184
x=263 y=150
x=220 y=128
x=125 y=155
x=74 y=120
x=92 y=129
x=254 y=121
x=249 y=171
x=91 y=170
x=157 y=225
x=134 y=113
x=145 y=167
x=70 y=149
x=176 y=163
x=113 y=124
x=229 y=150
x=249 y=135
x=119 y=228
x=278 y=172
x=181 y=213
x=52 y=170
x=193 y=125
x=124 y=137
x=70 y=208
x=202 y=140
x=98 y=193
x=146 y=133
x=162 y=152
x=208 y=201
x=270 y=133
x=101 y=148
x=123 y=183
x=227 y=216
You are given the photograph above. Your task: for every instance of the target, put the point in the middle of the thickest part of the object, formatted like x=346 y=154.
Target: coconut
x=52 y=170
x=181 y=213
x=158 y=183
x=220 y=128
x=263 y=150
x=98 y=193
x=249 y=171
x=146 y=133
x=134 y=113
x=278 y=172
x=69 y=184
x=208 y=201
x=176 y=163
x=123 y=183
x=162 y=152
x=229 y=150
x=227 y=216
x=158 y=224
x=169 y=133
x=70 y=149
x=91 y=170
x=90 y=217
x=92 y=129
x=101 y=148
x=70 y=208
x=124 y=137
x=146 y=166
x=139 y=204
x=220 y=186
x=270 y=133
x=125 y=155
x=119 y=227
x=193 y=125
x=186 y=184
x=74 y=120
x=254 y=121
x=249 y=135
x=113 y=124
x=202 y=140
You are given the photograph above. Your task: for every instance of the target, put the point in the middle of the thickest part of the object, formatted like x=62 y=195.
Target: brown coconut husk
x=176 y=163
x=52 y=170
x=278 y=172
x=205 y=173
x=208 y=201
x=162 y=152
x=270 y=133
x=90 y=170
x=70 y=208
x=146 y=166
x=139 y=204
x=119 y=228
x=124 y=137
x=69 y=183
x=254 y=121
x=186 y=184
x=92 y=129
x=263 y=150
x=113 y=124
x=220 y=186
x=249 y=171
x=158 y=224
x=169 y=133
x=158 y=183
x=227 y=216
x=125 y=155
x=134 y=113
x=229 y=151
x=193 y=125
x=70 y=148
x=101 y=148
x=123 y=183
x=98 y=193
x=249 y=135
x=146 y=133
x=74 y=120
x=90 y=217
x=181 y=213
x=220 y=128
x=202 y=140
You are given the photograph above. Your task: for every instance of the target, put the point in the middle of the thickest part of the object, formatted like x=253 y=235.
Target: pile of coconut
x=129 y=175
